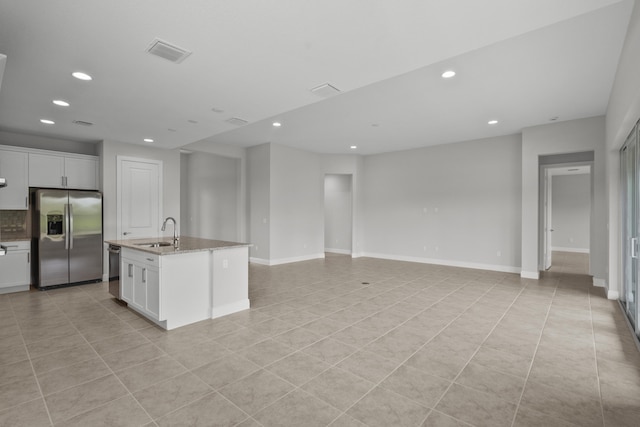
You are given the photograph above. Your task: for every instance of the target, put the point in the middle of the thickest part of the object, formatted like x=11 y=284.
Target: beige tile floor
x=335 y=342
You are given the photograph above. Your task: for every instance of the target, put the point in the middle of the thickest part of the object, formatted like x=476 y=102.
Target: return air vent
x=236 y=121
x=82 y=123
x=325 y=90
x=168 y=51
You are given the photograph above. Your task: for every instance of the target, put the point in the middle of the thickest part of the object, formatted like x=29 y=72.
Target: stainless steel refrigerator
x=67 y=237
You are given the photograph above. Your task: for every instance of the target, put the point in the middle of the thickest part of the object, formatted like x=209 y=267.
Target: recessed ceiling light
x=448 y=74
x=493 y=122
x=375 y=125
x=277 y=124
x=81 y=76
x=353 y=147
x=554 y=118
x=61 y=103
x=217 y=110
x=171 y=130
x=193 y=122
x=148 y=140
x=47 y=122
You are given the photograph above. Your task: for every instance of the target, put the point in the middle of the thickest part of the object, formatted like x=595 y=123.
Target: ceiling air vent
x=168 y=51
x=325 y=90
x=236 y=121
x=82 y=123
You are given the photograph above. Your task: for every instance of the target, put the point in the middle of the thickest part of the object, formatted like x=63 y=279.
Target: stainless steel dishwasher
x=114 y=270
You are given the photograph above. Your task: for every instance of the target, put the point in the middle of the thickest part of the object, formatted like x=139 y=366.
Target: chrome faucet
x=175 y=231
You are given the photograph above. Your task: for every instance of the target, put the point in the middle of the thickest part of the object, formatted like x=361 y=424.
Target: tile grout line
x=476 y=352
x=595 y=353
x=524 y=387
x=296 y=387
x=108 y=367
x=420 y=348
x=44 y=401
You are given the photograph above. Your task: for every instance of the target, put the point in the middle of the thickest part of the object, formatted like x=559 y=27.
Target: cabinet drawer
x=140 y=257
x=19 y=245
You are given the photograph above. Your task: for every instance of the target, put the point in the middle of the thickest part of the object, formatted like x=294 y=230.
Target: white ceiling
x=520 y=62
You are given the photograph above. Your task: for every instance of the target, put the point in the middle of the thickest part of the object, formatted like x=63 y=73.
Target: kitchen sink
x=154 y=244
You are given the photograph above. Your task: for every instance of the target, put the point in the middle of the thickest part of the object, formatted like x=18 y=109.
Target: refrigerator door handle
x=70 y=232
x=66 y=226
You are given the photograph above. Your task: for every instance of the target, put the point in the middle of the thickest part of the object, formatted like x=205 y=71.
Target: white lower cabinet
x=15 y=267
x=171 y=290
x=140 y=282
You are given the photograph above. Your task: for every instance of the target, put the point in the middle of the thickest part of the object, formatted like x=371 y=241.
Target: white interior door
x=139 y=195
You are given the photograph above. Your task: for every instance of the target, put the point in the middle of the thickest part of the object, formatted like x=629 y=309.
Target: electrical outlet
x=225 y=263
x=499 y=254
x=424 y=248
x=437 y=249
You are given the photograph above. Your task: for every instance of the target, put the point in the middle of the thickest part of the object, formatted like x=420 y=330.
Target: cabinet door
x=153 y=293
x=139 y=299
x=14 y=168
x=46 y=171
x=82 y=174
x=126 y=280
x=15 y=269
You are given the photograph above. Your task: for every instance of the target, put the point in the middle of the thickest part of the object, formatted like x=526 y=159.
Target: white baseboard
x=575 y=250
x=338 y=251
x=599 y=283
x=280 y=261
x=611 y=294
x=105 y=277
x=357 y=255
x=535 y=275
x=449 y=263
x=226 y=309
x=11 y=289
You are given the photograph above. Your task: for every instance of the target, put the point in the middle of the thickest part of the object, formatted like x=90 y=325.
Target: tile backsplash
x=14 y=225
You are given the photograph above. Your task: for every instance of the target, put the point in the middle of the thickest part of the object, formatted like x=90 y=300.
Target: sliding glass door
x=630 y=178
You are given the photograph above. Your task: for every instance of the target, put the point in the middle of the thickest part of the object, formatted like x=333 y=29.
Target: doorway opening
x=566 y=213
x=338 y=214
x=569 y=202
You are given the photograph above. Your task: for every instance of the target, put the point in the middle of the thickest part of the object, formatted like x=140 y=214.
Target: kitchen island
x=175 y=285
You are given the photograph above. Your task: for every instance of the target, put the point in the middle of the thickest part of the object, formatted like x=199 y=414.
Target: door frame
x=119 y=161
x=544 y=179
x=324 y=220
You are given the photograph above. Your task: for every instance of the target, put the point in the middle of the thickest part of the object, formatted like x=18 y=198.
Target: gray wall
x=456 y=204
x=297 y=198
x=570 y=216
x=337 y=213
x=109 y=150
x=259 y=200
x=210 y=192
x=622 y=113
x=565 y=137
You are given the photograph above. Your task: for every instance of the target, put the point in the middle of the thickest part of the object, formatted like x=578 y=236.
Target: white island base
x=174 y=287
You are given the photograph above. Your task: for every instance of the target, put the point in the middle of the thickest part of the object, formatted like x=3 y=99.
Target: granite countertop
x=185 y=244
x=5 y=238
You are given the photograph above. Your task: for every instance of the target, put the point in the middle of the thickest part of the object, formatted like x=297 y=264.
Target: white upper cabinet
x=46 y=171
x=81 y=173
x=14 y=168
x=57 y=171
